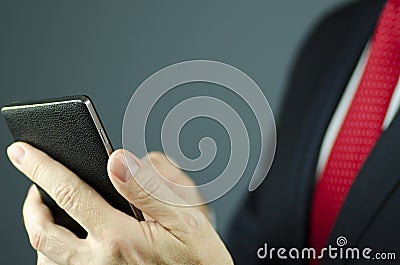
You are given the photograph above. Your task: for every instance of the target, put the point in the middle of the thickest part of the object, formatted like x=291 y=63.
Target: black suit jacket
x=277 y=213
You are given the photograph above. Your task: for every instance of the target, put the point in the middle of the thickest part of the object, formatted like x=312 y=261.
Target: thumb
x=140 y=184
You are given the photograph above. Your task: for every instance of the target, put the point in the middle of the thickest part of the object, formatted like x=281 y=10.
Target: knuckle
x=70 y=256
x=67 y=196
x=40 y=262
x=149 y=187
x=156 y=157
x=43 y=260
x=194 y=222
x=38 y=170
x=141 y=195
x=194 y=229
x=37 y=237
x=118 y=249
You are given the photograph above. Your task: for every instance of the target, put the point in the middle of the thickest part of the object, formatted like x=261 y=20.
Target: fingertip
x=117 y=155
x=34 y=208
x=15 y=144
x=121 y=152
x=122 y=164
x=18 y=144
x=33 y=196
x=21 y=154
x=32 y=189
x=16 y=153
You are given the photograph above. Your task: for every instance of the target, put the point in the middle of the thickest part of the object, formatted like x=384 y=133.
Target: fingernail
x=124 y=166
x=16 y=153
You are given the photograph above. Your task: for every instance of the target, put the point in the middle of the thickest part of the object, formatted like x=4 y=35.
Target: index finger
x=72 y=194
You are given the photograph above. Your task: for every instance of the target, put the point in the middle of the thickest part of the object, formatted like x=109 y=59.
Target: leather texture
x=67 y=133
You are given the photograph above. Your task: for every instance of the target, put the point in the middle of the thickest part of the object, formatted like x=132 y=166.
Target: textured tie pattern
x=361 y=127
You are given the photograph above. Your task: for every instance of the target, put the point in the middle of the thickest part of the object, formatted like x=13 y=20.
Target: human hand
x=167 y=168
x=173 y=235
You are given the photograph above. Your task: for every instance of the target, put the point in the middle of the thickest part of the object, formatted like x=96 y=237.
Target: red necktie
x=361 y=127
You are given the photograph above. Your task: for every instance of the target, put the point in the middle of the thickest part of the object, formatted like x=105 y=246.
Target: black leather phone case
x=64 y=129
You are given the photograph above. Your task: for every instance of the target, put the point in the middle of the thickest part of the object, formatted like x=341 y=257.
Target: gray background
x=105 y=49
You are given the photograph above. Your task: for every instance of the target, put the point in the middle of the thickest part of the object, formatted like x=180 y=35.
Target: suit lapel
x=372 y=187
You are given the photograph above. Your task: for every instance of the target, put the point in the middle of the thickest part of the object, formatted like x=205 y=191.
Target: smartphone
x=69 y=130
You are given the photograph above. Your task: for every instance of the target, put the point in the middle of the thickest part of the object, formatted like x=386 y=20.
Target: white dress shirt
x=343 y=107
